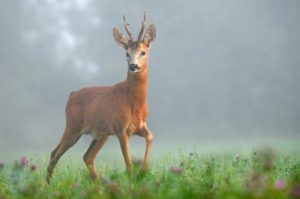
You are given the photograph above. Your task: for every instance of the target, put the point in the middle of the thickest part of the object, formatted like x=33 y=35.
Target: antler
x=127 y=30
x=142 y=29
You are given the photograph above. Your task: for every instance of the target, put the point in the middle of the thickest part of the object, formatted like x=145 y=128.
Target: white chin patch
x=135 y=70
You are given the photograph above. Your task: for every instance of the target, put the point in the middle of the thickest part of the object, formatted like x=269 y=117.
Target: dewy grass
x=258 y=174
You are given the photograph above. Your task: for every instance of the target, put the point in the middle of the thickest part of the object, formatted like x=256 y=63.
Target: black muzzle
x=133 y=67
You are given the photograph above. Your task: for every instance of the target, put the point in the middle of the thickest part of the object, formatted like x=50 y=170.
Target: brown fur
x=120 y=110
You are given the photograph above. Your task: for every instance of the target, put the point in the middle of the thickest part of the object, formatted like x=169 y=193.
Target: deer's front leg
x=145 y=132
x=124 y=143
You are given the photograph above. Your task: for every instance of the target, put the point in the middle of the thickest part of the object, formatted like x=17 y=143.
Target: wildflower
x=280 y=184
x=267 y=156
x=295 y=191
x=255 y=176
x=145 y=190
x=227 y=179
x=286 y=158
x=182 y=163
x=158 y=183
x=257 y=182
x=114 y=188
x=23 y=161
x=83 y=194
x=137 y=161
x=1 y=164
x=176 y=170
x=268 y=165
x=33 y=167
x=25 y=189
x=57 y=194
x=106 y=180
x=237 y=157
x=76 y=186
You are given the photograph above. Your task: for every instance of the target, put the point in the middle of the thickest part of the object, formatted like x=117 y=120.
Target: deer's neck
x=137 y=86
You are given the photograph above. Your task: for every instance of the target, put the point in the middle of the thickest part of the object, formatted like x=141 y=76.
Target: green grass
x=257 y=174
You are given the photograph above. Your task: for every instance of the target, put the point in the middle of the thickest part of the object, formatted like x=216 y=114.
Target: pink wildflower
x=34 y=167
x=137 y=161
x=280 y=184
x=176 y=170
x=106 y=180
x=295 y=191
x=76 y=186
x=23 y=161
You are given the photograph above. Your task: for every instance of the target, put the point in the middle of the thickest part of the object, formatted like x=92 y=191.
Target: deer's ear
x=120 y=38
x=150 y=35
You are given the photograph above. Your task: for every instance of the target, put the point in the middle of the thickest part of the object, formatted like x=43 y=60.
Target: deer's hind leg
x=90 y=155
x=69 y=139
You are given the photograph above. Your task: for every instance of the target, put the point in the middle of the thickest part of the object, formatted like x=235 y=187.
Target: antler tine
x=127 y=30
x=142 y=28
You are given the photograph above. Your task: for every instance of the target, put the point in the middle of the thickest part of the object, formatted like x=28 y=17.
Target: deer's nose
x=133 y=67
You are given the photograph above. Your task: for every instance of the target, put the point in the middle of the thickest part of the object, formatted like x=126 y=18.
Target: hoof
x=94 y=176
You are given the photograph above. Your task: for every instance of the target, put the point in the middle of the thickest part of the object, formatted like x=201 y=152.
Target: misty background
x=220 y=71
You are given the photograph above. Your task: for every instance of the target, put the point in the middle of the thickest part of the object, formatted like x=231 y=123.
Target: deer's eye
x=143 y=53
x=127 y=54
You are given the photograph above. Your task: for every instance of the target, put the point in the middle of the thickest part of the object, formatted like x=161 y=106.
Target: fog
x=220 y=71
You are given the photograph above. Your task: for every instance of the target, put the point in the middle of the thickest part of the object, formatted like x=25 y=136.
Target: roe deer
x=119 y=110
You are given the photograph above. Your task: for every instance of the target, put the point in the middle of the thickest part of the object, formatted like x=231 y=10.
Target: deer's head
x=137 y=51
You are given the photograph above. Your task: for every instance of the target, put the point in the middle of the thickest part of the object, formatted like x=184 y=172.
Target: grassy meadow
x=259 y=173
